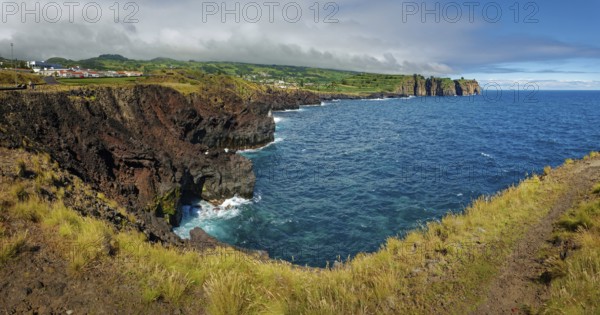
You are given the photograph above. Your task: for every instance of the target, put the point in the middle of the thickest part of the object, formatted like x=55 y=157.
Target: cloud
x=367 y=37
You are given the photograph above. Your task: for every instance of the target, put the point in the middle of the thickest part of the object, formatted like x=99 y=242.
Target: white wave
x=208 y=216
x=278 y=119
x=486 y=155
x=277 y=140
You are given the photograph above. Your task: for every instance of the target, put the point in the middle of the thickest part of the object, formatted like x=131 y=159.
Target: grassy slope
x=575 y=287
x=438 y=269
x=228 y=68
x=7 y=78
x=185 y=81
x=322 y=80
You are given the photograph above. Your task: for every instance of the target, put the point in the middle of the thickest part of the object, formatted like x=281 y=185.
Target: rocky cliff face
x=419 y=86
x=282 y=100
x=149 y=147
x=145 y=146
x=467 y=87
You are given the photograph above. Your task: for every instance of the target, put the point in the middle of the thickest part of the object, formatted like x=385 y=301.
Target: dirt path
x=516 y=285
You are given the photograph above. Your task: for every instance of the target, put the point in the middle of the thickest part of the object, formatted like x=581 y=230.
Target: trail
x=517 y=283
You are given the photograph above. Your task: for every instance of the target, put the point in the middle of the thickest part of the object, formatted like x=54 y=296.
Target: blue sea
x=343 y=177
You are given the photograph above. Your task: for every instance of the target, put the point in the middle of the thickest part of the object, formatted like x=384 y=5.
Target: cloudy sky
x=553 y=43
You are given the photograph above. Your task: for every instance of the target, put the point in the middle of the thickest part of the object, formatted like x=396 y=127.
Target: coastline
x=446 y=266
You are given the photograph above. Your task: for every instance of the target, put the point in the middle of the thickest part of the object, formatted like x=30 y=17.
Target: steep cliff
x=145 y=146
x=467 y=87
x=282 y=100
x=417 y=85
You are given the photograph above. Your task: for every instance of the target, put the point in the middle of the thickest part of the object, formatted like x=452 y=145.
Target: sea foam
x=208 y=216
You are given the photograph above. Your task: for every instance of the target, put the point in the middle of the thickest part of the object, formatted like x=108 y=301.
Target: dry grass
x=11 y=246
x=575 y=288
x=437 y=269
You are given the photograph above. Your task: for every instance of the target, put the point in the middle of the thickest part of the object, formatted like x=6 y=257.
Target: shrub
x=19 y=192
x=569 y=161
x=596 y=189
x=32 y=209
x=10 y=247
x=21 y=168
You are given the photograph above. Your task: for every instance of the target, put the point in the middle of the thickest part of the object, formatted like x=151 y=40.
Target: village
x=55 y=70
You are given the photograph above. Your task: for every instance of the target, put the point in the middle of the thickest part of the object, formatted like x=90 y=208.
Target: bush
x=19 y=192
x=596 y=189
x=569 y=161
x=10 y=247
x=21 y=168
x=32 y=209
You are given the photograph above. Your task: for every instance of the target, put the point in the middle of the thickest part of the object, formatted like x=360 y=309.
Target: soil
x=518 y=287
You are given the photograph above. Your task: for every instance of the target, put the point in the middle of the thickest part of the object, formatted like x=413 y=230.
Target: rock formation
x=144 y=146
x=417 y=85
x=149 y=147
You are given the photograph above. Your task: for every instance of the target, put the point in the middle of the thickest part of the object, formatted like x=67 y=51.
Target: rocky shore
x=150 y=147
x=145 y=146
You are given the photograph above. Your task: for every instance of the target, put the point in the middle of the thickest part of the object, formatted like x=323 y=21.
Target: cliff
x=282 y=100
x=149 y=146
x=418 y=85
x=144 y=146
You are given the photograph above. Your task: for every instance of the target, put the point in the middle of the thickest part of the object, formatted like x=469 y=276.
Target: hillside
x=55 y=260
x=7 y=78
x=90 y=186
x=312 y=79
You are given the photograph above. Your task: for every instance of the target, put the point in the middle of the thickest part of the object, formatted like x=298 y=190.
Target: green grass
x=179 y=73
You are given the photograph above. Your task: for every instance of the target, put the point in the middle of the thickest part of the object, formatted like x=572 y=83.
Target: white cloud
x=369 y=37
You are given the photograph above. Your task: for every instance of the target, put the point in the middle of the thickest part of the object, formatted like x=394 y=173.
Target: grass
x=7 y=78
x=441 y=267
x=237 y=283
x=100 y=81
x=167 y=71
x=576 y=283
x=596 y=189
x=11 y=246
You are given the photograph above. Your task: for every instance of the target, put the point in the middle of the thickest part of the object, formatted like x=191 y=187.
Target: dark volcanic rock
x=140 y=143
x=282 y=100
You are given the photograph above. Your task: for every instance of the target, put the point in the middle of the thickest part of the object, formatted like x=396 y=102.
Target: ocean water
x=342 y=177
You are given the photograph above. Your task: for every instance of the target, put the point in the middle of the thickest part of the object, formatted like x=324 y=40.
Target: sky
x=552 y=44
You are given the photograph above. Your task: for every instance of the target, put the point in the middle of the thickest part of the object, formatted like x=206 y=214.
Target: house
x=42 y=65
x=133 y=74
